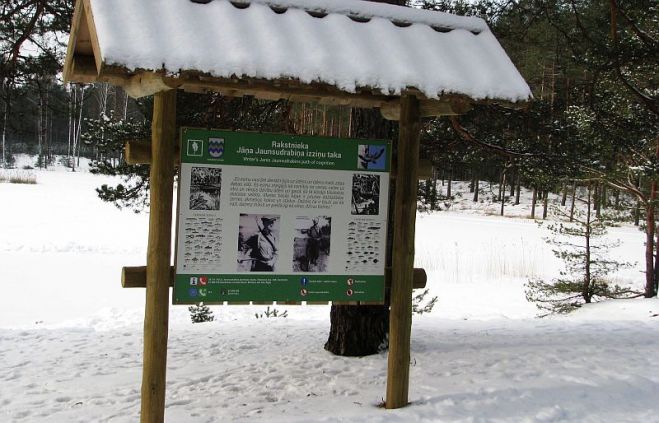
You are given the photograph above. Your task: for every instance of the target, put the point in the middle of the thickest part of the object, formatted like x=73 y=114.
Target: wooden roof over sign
x=344 y=52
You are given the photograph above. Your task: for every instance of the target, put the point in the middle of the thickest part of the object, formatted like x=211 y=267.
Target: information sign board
x=271 y=217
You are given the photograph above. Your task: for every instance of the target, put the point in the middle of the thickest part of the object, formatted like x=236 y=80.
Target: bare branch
x=467 y=136
x=26 y=33
x=642 y=35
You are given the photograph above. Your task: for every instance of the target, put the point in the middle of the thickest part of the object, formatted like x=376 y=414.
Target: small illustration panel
x=371 y=157
x=202 y=247
x=364 y=246
x=205 y=188
x=365 y=194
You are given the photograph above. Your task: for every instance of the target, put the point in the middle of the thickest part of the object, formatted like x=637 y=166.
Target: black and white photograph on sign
x=205 y=188
x=372 y=157
x=258 y=242
x=311 y=243
x=365 y=194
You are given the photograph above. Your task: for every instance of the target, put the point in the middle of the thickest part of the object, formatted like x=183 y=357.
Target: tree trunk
x=363 y=330
x=574 y=195
x=357 y=331
x=649 y=248
x=70 y=121
x=512 y=186
x=650 y=230
x=656 y=262
x=40 y=159
x=76 y=140
x=476 y=189
x=564 y=198
x=4 y=133
x=617 y=197
x=586 y=291
x=503 y=190
x=597 y=203
x=448 y=185
x=433 y=191
x=534 y=199
x=518 y=189
x=544 y=205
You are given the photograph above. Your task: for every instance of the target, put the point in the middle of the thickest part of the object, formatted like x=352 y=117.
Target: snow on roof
x=348 y=44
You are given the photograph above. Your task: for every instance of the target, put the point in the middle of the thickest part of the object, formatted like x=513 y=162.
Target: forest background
x=592 y=124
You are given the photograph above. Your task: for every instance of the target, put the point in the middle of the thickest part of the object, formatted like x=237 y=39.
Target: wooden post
x=156 y=318
x=400 y=322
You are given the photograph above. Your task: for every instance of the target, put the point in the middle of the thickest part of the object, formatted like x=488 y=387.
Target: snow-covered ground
x=71 y=337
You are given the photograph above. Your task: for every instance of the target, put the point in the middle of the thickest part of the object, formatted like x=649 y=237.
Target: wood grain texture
x=73 y=40
x=156 y=319
x=400 y=320
x=139 y=152
x=93 y=37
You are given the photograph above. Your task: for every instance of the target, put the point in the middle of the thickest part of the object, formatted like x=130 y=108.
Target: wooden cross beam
x=135 y=277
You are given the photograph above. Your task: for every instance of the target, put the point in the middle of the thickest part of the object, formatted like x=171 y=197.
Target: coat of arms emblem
x=216 y=147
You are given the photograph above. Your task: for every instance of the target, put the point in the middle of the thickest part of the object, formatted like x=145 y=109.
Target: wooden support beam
x=156 y=318
x=424 y=169
x=84 y=68
x=139 y=152
x=93 y=37
x=145 y=84
x=290 y=90
x=74 y=39
x=427 y=108
x=400 y=317
x=135 y=277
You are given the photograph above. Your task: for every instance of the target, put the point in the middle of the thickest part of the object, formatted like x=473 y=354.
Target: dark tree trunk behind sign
x=358 y=330
x=362 y=330
x=476 y=185
x=448 y=186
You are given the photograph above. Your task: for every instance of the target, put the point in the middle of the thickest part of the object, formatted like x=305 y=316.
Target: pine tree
x=200 y=313
x=583 y=250
x=39 y=24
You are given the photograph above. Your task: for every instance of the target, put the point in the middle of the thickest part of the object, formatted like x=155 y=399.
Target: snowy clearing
x=71 y=337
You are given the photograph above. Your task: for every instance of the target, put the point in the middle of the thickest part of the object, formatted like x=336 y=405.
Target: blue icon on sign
x=304 y=281
x=216 y=147
x=192 y=292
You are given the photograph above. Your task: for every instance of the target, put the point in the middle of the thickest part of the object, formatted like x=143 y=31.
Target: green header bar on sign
x=204 y=146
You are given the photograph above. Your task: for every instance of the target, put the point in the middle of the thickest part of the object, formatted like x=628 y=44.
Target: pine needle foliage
x=200 y=313
x=581 y=245
x=420 y=306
